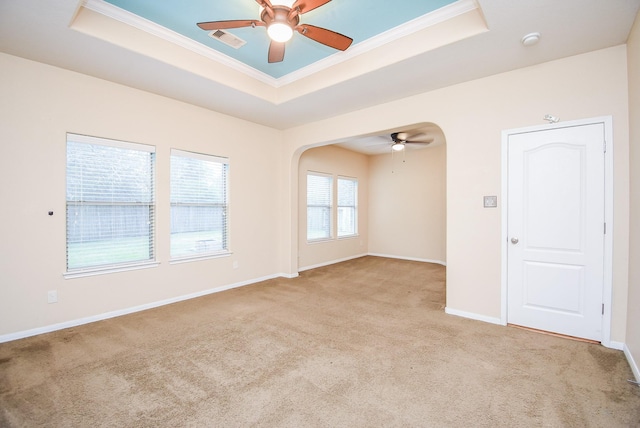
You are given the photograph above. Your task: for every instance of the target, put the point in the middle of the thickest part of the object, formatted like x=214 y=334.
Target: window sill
x=199 y=257
x=348 y=236
x=111 y=269
x=320 y=240
x=339 y=238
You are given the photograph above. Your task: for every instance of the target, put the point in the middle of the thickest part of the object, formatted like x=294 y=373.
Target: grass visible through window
x=106 y=252
x=187 y=244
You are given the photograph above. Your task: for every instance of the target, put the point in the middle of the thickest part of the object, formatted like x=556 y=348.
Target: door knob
x=514 y=240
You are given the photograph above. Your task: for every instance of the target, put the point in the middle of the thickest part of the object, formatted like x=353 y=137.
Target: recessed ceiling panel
x=358 y=19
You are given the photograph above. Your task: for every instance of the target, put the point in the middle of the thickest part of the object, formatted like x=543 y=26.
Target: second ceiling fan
x=400 y=139
x=281 y=21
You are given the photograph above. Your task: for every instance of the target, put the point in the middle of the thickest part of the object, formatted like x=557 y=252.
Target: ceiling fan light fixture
x=397 y=146
x=279 y=32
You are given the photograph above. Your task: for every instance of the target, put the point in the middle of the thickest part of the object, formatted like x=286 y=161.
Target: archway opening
x=401 y=210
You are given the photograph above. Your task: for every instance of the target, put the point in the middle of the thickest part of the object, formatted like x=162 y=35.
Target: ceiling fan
x=281 y=21
x=401 y=138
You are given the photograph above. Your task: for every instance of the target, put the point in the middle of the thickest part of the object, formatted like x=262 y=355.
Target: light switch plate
x=52 y=296
x=490 y=201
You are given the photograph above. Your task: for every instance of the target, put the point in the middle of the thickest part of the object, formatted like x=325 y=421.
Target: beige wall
x=472 y=116
x=407 y=204
x=633 y=321
x=39 y=105
x=42 y=103
x=335 y=161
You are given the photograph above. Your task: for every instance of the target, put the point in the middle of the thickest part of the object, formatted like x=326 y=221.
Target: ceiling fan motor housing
x=281 y=15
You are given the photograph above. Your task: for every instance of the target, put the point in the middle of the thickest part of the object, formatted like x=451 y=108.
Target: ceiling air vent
x=227 y=38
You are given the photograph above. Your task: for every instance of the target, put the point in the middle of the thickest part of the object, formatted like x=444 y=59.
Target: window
x=110 y=204
x=199 y=205
x=347 y=207
x=319 y=197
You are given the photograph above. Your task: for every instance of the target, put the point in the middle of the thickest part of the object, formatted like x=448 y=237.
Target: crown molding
x=126 y=17
x=422 y=22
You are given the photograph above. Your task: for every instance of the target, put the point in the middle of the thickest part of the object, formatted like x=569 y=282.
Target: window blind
x=347 y=206
x=319 y=197
x=110 y=203
x=199 y=204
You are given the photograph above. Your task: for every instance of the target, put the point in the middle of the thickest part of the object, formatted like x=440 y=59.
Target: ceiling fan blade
x=324 y=36
x=420 y=138
x=417 y=137
x=276 y=52
x=305 y=6
x=265 y=3
x=404 y=137
x=234 y=23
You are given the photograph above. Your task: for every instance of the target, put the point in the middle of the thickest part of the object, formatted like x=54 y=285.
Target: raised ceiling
x=343 y=16
x=456 y=42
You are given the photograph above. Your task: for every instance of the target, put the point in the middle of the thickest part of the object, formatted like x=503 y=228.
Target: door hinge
x=605 y=228
x=603 y=309
x=604 y=146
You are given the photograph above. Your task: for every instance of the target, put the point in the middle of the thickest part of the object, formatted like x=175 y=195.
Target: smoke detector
x=531 y=39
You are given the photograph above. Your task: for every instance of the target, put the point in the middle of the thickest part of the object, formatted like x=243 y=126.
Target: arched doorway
x=401 y=197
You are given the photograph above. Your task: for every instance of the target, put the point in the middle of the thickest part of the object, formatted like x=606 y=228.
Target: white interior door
x=555 y=249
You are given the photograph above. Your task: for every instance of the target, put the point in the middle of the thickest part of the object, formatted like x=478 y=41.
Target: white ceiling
x=427 y=134
x=65 y=34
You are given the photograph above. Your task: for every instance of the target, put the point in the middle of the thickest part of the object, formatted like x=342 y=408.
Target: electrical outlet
x=52 y=296
x=490 y=201
x=235 y=264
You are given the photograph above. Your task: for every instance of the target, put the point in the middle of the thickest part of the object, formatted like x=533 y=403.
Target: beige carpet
x=363 y=343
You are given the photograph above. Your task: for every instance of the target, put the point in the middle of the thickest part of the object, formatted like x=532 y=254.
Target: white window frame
x=330 y=206
x=354 y=207
x=204 y=253
x=98 y=269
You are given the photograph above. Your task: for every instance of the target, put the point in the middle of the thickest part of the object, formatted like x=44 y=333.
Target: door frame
x=607 y=121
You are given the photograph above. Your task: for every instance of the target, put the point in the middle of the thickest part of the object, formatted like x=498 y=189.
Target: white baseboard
x=390 y=256
x=288 y=275
x=473 y=316
x=413 y=259
x=74 y=323
x=632 y=363
x=112 y=314
x=613 y=345
x=331 y=262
